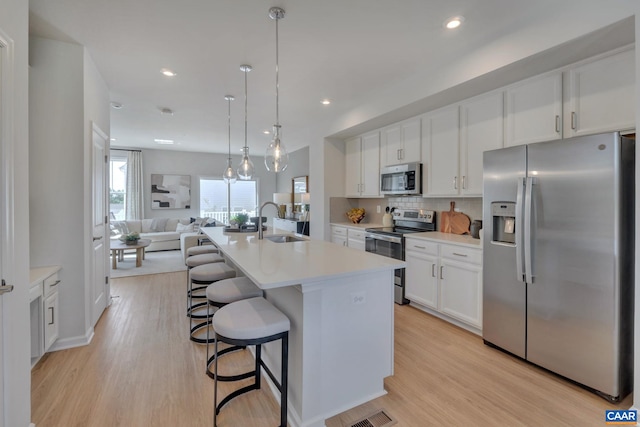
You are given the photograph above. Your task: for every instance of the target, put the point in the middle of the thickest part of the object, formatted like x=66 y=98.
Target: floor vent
x=379 y=419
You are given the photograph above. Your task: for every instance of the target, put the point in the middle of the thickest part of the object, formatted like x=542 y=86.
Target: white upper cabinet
x=481 y=129
x=534 y=110
x=455 y=138
x=353 y=173
x=601 y=95
x=401 y=142
x=441 y=138
x=362 y=160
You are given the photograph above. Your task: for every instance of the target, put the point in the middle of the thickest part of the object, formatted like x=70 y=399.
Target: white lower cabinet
x=44 y=313
x=355 y=238
x=421 y=273
x=445 y=280
x=347 y=236
x=50 y=320
x=339 y=235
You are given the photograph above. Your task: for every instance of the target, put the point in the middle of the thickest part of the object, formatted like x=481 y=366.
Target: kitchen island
x=340 y=304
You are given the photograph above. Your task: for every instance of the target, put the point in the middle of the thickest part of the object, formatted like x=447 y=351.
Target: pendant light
x=246 y=169
x=276 y=159
x=229 y=175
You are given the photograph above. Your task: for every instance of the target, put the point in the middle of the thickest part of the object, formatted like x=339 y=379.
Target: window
x=213 y=198
x=117 y=187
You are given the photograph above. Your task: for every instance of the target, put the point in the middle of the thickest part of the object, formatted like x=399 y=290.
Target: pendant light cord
x=245 y=110
x=277 y=80
x=229 y=127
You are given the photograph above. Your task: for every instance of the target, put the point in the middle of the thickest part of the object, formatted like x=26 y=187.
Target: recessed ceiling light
x=167 y=72
x=113 y=139
x=166 y=111
x=454 y=22
x=164 y=141
x=266 y=132
x=116 y=105
x=326 y=101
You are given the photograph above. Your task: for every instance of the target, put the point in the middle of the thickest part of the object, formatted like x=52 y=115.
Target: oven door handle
x=386 y=238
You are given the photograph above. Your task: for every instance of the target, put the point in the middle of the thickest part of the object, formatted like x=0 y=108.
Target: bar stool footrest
x=237 y=377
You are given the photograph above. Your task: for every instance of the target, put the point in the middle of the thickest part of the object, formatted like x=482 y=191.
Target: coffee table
x=118 y=247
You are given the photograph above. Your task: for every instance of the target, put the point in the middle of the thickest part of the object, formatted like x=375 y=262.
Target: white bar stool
x=205 y=274
x=198 y=291
x=220 y=294
x=253 y=321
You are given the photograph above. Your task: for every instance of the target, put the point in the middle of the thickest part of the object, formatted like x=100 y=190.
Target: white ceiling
x=346 y=51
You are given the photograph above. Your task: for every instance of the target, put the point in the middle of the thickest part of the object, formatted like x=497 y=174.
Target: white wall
x=15 y=305
x=298 y=166
x=636 y=358
x=66 y=95
x=197 y=165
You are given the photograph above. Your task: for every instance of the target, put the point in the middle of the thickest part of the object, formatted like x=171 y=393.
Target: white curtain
x=134 y=199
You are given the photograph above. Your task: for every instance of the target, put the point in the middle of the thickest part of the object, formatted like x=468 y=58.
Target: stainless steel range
x=389 y=241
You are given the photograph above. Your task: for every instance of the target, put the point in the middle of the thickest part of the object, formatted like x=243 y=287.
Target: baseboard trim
x=72 y=342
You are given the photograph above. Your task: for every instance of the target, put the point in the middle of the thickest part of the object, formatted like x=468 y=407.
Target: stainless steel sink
x=284 y=238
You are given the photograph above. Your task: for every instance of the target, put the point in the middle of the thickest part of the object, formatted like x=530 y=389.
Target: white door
x=3 y=209
x=100 y=283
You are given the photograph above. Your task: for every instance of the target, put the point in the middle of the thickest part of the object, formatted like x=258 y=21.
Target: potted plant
x=240 y=219
x=132 y=238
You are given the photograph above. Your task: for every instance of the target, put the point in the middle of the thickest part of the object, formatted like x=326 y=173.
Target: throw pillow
x=159 y=224
x=181 y=228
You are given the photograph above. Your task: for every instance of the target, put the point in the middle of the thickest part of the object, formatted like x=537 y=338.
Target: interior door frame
x=102 y=232
x=7 y=203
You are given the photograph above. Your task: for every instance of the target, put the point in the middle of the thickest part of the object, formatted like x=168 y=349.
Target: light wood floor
x=142 y=370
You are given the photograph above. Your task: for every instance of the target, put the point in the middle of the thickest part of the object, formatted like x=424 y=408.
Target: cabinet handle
x=455 y=182
x=419 y=247
x=433 y=270
x=4 y=288
x=401 y=153
x=441 y=274
x=52 y=315
x=398 y=154
x=462 y=255
x=55 y=283
x=464 y=182
x=363 y=187
x=573 y=120
x=558 y=124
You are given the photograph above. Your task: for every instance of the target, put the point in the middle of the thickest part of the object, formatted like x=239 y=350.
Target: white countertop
x=38 y=274
x=273 y=265
x=454 y=239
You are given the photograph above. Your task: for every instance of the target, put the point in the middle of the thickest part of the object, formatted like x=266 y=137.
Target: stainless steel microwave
x=403 y=179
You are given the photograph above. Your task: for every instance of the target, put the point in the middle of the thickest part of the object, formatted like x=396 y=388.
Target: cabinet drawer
x=341 y=231
x=356 y=234
x=51 y=284
x=460 y=253
x=421 y=246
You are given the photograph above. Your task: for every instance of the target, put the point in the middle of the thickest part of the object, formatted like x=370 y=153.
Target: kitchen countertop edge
x=448 y=238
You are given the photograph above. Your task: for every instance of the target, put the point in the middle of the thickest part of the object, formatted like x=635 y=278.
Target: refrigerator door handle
x=519 y=222
x=528 y=219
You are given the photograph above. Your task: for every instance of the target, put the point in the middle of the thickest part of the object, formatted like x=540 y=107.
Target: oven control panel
x=420 y=215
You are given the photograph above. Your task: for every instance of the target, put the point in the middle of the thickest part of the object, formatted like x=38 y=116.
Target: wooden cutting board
x=454 y=222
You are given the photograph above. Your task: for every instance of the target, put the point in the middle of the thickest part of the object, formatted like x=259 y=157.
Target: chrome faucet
x=260 y=233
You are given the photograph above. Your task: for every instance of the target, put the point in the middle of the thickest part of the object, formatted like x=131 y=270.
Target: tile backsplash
x=471 y=206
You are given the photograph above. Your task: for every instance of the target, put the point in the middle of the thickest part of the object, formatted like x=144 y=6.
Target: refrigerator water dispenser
x=504 y=222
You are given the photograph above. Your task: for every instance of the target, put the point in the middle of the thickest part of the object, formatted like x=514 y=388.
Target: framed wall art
x=170 y=191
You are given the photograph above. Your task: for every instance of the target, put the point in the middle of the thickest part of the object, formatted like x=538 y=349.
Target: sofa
x=164 y=233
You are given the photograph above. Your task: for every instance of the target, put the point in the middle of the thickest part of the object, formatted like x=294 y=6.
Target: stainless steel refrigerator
x=558 y=258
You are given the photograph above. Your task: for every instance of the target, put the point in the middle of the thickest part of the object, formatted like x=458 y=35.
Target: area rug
x=154 y=263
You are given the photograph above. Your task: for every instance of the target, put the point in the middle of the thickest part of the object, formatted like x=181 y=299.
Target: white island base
x=340 y=344
x=340 y=304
